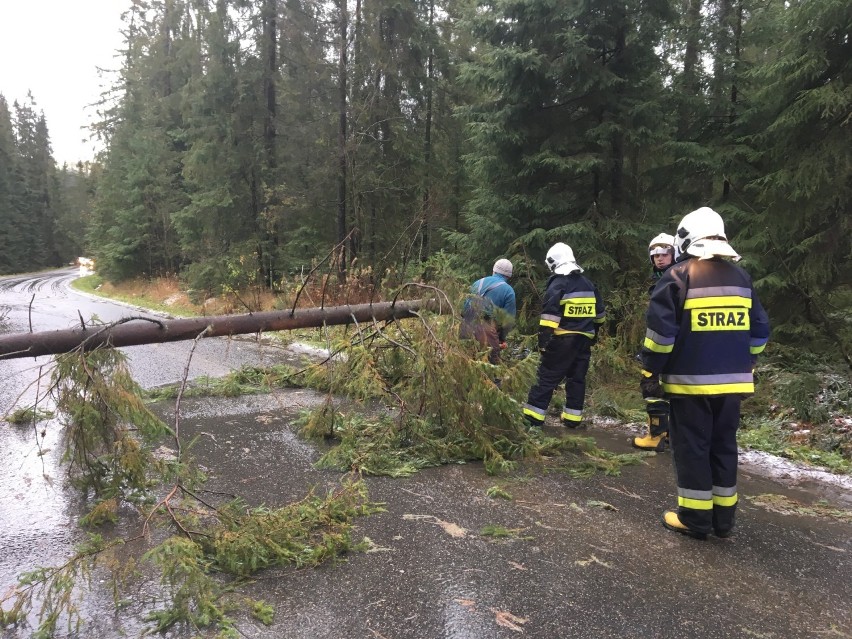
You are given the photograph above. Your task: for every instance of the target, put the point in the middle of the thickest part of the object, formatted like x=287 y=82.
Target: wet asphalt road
x=590 y=558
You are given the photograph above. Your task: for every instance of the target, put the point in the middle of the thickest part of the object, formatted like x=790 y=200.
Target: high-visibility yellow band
x=533 y=414
x=575 y=309
x=577 y=300
x=562 y=331
x=548 y=323
x=708 y=389
x=572 y=418
x=756 y=350
x=719 y=500
x=723 y=300
x=695 y=504
x=720 y=319
x=651 y=345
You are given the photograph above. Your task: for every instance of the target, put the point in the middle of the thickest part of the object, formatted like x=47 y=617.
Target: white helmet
x=503 y=267
x=702 y=234
x=660 y=245
x=560 y=260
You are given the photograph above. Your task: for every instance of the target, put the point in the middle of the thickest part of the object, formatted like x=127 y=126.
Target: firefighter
x=705 y=330
x=489 y=310
x=661 y=255
x=570 y=319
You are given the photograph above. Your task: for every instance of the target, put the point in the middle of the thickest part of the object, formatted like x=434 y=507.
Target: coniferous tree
x=796 y=198
x=566 y=125
x=10 y=198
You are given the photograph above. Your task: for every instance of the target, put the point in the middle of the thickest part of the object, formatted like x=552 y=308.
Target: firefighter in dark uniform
x=571 y=316
x=661 y=252
x=705 y=330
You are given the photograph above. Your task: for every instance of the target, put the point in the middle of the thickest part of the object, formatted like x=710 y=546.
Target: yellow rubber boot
x=647 y=442
x=673 y=522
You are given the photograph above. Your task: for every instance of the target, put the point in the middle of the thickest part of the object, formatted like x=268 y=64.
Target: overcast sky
x=53 y=48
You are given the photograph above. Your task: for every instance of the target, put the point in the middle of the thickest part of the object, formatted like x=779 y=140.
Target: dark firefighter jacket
x=705 y=329
x=572 y=304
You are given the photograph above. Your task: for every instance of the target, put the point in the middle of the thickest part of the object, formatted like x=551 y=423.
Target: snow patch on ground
x=786 y=469
x=306 y=349
x=768 y=465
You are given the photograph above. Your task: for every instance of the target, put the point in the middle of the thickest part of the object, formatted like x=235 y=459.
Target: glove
x=650 y=387
x=544 y=335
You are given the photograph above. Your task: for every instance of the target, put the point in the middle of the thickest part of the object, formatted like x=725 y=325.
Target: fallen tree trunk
x=143 y=330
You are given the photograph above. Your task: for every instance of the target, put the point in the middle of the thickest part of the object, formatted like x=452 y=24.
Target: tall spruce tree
x=795 y=201
x=11 y=220
x=565 y=127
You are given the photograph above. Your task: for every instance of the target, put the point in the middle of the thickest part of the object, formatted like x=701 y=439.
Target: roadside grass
x=160 y=294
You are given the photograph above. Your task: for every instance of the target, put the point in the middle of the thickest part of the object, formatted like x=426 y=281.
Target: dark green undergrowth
x=801 y=410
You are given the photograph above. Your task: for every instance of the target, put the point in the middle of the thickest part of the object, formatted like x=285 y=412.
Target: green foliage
x=263 y=612
x=495 y=492
x=247 y=380
x=418 y=369
x=106 y=423
x=28 y=415
x=194 y=595
x=55 y=590
x=496 y=531
x=306 y=533
x=787 y=506
x=602 y=461
x=774 y=436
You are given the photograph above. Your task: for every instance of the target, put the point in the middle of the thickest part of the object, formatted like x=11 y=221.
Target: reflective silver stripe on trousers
x=724 y=491
x=704 y=495
x=702 y=380
x=534 y=409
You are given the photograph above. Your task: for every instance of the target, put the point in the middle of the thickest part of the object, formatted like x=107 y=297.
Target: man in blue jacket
x=705 y=330
x=489 y=310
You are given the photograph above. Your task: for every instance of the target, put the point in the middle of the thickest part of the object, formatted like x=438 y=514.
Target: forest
x=247 y=141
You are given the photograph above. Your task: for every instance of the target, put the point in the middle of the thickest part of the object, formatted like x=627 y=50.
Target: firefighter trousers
x=566 y=357
x=703 y=436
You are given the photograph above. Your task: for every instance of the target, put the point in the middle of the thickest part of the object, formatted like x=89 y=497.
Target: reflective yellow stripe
x=651 y=345
x=756 y=350
x=695 y=504
x=718 y=500
x=708 y=389
x=562 y=331
x=572 y=418
x=724 y=300
x=534 y=414
x=577 y=300
x=548 y=323
x=574 y=308
x=647 y=373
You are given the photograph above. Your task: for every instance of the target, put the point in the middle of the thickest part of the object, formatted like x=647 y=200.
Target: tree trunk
x=341 y=138
x=154 y=331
